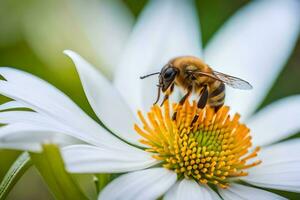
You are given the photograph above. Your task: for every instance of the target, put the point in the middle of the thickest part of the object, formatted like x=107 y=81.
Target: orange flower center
x=207 y=146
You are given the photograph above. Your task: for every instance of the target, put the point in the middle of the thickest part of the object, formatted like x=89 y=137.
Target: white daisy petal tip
x=100 y=93
x=60 y=110
x=68 y=52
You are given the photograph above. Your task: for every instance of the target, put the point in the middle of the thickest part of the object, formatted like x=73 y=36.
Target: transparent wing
x=233 y=81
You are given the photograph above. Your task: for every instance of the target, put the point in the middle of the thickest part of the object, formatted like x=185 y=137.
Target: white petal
x=145 y=184
x=277 y=121
x=32 y=146
x=241 y=192
x=40 y=96
x=21 y=78
x=105 y=100
x=36 y=119
x=254 y=45
x=11 y=132
x=28 y=129
x=9 y=117
x=107 y=25
x=28 y=137
x=280 y=167
x=91 y=159
x=189 y=189
x=11 y=105
x=164 y=30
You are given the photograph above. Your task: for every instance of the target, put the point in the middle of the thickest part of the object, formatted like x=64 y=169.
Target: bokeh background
x=33 y=34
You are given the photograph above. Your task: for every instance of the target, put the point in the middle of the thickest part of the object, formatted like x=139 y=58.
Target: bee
x=194 y=75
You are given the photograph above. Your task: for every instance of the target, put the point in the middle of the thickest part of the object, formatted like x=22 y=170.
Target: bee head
x=167 y=76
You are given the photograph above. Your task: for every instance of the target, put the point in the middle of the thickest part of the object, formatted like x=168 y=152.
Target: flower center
x=208 y=146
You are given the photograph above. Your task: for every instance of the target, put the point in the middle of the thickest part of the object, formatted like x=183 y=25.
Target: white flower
x=253 y=45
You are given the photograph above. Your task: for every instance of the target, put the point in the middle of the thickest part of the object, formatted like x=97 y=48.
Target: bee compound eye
x=169 y=73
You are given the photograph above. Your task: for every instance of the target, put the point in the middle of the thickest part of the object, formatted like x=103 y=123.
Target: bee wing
x=227 y=79
x=233 y=81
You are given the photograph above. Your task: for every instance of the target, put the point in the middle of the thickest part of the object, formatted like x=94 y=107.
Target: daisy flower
x=177 y=159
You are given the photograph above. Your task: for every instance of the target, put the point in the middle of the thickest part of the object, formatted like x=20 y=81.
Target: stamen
x=200 y=144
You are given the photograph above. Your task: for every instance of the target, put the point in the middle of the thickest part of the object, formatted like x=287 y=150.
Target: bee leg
x=166 y=97
x=174 y=116
x=203 y=97
x=172 y=88
x=217 y=108
x=170 y=91
x=201 y=103
x=195 y=119
x=182 y=100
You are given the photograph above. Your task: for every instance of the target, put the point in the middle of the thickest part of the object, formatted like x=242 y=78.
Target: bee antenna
x=142 y=77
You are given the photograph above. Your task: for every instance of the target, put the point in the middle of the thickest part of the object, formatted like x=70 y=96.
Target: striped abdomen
x=216 y=94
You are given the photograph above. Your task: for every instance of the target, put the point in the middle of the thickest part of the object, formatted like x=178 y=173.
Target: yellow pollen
x=200 y=144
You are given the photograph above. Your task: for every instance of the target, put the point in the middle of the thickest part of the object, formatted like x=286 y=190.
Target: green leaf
x=50 y=165
x=18 y=168
x=7 y=158
x=86 y=182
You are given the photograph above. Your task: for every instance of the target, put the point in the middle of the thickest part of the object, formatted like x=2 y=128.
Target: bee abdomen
x=217 y=95
x=217 y=102
x=217 y=90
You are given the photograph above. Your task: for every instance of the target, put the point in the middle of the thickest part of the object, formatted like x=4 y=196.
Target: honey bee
x=193 y=75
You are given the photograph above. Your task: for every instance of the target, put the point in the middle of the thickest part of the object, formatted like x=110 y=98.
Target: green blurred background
x=24 y=25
